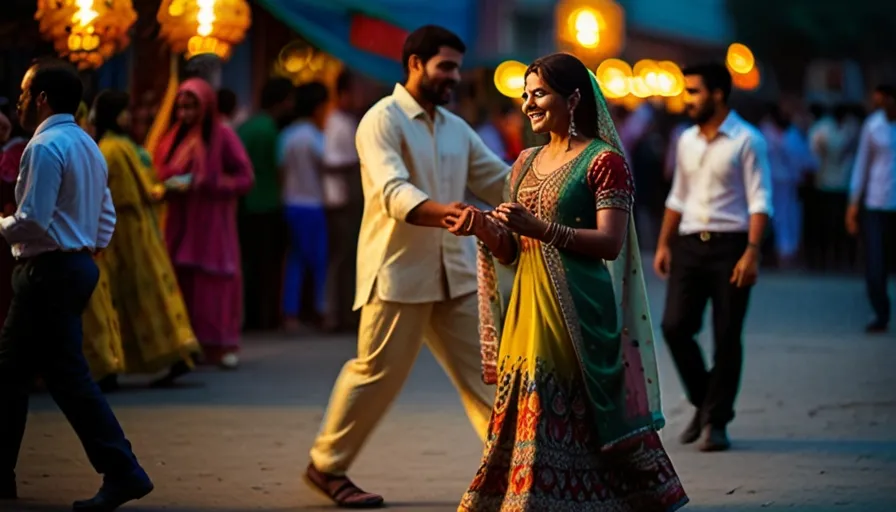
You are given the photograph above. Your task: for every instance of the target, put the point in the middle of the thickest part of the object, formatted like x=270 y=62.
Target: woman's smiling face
x=547 y=111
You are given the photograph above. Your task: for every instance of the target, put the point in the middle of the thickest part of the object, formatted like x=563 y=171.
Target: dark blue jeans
x=877 y=233
x=308 y=248
x=42 y=336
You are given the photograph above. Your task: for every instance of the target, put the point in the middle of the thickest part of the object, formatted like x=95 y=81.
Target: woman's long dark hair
x=107 y=106
x=564 y=74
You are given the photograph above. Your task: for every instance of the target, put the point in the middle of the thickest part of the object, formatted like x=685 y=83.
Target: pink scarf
x=191 y=156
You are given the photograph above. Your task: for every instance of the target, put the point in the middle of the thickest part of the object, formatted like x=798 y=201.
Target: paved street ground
x=816 y=425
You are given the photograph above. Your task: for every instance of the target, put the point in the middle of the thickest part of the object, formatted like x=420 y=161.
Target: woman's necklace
x=542 y=176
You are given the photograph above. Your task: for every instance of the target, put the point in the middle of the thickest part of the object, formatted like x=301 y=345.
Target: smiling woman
x=575 y=422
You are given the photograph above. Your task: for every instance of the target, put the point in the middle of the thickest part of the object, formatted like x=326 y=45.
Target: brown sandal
x=342 y=491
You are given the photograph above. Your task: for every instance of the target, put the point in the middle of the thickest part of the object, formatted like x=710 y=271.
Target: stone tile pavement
x=816 y=426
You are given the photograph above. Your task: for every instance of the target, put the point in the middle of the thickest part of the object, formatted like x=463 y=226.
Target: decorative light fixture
x=592 y=30
x=615 y=78
x=510 y=78
x=193 y=27
x=740 y=59
x=87 y=32
x=749 y=81
x=302 y=63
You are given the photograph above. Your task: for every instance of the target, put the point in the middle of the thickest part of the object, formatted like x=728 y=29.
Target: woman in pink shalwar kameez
x=205 y=169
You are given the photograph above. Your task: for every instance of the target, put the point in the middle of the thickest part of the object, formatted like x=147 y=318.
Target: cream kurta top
x=406 y=159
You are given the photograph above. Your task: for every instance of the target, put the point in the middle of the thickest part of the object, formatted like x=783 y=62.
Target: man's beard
x=435 y=92
x=704 y=114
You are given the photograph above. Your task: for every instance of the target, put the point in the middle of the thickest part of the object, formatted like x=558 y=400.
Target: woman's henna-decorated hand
x=489 y=230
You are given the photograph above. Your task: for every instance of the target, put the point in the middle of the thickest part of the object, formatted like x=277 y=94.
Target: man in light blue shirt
x=64 y=214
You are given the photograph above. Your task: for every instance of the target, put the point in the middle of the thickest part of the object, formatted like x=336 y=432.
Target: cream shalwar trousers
x=389 y=339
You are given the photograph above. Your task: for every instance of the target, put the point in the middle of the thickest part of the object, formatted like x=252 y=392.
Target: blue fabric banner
x=327 y=24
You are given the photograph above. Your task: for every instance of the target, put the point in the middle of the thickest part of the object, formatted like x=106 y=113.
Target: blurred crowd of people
x=813 y=152
x=219 y=227
x=263 y=210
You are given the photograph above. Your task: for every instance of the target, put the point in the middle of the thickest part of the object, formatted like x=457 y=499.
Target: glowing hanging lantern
x=747 y=81
x=204 y=26
x=614 y=77
x=740 y=59
x=87 y=32
x=587 y=24
x=640 y=89
x=670 y=80
x=647 y=72
x=302 y=63
x=592 y=30
x=509 y=78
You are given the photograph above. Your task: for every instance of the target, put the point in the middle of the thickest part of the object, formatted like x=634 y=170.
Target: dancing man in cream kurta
x=416 y=281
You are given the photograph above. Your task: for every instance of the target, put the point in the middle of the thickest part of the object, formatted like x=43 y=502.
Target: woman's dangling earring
x=572 y=124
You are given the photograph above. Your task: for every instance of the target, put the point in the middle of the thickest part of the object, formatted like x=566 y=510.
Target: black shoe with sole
x=112 y=496
x=714 y=439
x=691 y=433
x=876 y=327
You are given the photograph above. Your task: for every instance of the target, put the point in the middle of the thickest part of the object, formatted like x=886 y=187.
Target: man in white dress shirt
x=716 y=215
x=873 y=186
x=64 y=214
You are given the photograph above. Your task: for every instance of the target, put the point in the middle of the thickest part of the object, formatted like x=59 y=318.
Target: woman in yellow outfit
x=155 y=328
x=102 y=338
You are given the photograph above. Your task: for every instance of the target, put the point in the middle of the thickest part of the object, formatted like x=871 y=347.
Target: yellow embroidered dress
x=575 y=420
x=155 y=327
x=102 y=338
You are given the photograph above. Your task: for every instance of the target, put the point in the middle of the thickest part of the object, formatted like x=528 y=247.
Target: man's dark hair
x=427 y=41
x=276 y=91
x=715 y=77
x=226 y=102
x=60 y=82
x=888 y=90
x=344 y=81
x=309 y=97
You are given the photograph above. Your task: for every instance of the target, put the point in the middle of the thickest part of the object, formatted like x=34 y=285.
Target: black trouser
x=42 y=336
x=263 y=251
x=701 y=272
x=837 y=247
x=343 y=226
x=878 y=228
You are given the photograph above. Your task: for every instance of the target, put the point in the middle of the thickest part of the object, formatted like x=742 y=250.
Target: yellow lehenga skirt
x=542 y=452
x=102 y=333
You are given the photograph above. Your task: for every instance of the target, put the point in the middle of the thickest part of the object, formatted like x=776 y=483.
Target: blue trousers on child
x=307 y=251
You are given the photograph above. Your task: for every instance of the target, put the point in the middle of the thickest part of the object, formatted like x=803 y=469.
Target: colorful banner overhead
x=367 y=35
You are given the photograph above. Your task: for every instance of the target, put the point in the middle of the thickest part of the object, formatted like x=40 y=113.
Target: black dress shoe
x=692 y=432
x=110 y=497
x=177 y=370
x=876 y=327
x=714 y=439
x=8 y=491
